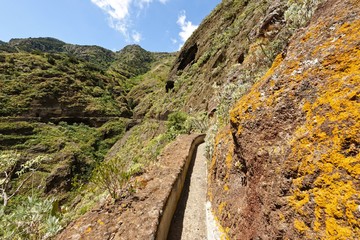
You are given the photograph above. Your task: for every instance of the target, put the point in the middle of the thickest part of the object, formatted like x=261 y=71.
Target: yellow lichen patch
x=249 y=103
x=223 y=232
x=229 y=158
x=281 y=217
x=223 y=143
x=210 y=195
x=220 y=139
x=252 y=100
x=327 y=144
x=100 y=222
x=298 y=200
x=279 y=58
x=336 y=231
x=229 y=161
x=300 y=226
x=336 y=199
x=221 y=207
x=318 y=84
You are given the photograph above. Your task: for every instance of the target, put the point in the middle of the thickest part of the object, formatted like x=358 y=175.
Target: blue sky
x=156 y=25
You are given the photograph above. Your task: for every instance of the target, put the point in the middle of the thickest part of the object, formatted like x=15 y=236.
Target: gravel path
x=189 y=222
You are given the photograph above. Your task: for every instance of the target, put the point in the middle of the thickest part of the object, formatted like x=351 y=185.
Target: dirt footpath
x=189 y=222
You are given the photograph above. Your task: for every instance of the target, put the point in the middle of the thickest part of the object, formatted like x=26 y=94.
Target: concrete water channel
x=191 y=219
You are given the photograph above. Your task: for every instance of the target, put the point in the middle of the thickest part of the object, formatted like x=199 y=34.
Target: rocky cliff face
x=235 y=44
x=288 y=165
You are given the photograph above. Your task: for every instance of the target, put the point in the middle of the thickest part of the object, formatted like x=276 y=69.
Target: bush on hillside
x=176 y=122
x=31 y=219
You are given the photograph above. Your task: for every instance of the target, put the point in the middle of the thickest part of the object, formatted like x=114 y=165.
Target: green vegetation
x=300 y=12
x=62 y=107
x=32 y=219
x=29 y=218
x=141 y=147
x=176 y=122
x=56 y=158
x=93 y=54
x=76 y=81
x=30 y=83
x=111 y=176
x=8 y=165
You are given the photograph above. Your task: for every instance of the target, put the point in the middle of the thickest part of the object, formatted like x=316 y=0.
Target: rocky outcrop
x=288 y=165
x=236 y=43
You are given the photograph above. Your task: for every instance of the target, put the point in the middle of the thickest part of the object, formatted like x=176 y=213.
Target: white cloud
x=187 y=28
x=173 y=40
x=142 y=3
x=145 y=3
x=117 y=9
x=120 y=14
x=136 y=36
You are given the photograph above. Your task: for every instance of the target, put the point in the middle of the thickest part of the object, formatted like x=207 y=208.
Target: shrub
x=32 y=219
x=2 y=58
x=8 y=164
x=51 y=60
x=198 y=123
x=210 y=141
x=73 y=59
x=176 y=122
x=226 y=97
x=299 y=13
x=111 y=176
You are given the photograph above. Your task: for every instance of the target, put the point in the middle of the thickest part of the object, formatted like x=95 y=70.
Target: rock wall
x=288 y=165
x=229 y=46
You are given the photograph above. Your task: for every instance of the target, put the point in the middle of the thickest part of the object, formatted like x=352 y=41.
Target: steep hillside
x=62 y=107
x=49 y=80
x=234 y=46
x=288 y=165
x=94 y=54
x=37 y=44
x=56 y=86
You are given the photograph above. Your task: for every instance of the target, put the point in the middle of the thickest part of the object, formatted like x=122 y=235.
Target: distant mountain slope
x=131 y=61
x=97 y=55
x=40 y=44
x=48 y=79
x=56 y=86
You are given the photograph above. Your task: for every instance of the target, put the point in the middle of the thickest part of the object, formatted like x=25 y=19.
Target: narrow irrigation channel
x=189 y=221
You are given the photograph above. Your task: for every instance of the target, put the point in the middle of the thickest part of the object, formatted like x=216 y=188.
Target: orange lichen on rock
x=328 y=142
x=297 y=134
x=300 y=226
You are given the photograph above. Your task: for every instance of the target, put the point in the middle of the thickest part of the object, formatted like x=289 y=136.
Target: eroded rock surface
x=288 y=167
